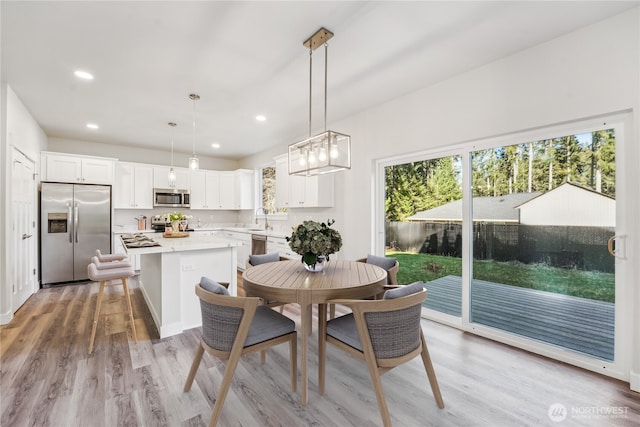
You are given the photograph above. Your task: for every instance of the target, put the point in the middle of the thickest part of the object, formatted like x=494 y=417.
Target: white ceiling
x=247 y=58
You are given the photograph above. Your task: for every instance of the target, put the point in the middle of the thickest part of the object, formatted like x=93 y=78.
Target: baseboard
x=634 y=381
x=5 y=318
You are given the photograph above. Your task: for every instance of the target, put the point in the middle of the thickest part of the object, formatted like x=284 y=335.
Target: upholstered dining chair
x=385 y=333
x=234 y=326
x=254 y=260
x=388 y=263
x=391 y=265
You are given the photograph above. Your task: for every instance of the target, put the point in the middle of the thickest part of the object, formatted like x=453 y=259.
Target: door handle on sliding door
x=615 y=246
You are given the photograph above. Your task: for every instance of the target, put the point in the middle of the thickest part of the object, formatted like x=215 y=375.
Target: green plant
x=178 y=216
x=312 y=239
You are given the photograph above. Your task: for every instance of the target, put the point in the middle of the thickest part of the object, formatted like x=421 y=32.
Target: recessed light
x=261 y=118
x=83 y=75
x=215 y=145
x=92 y=126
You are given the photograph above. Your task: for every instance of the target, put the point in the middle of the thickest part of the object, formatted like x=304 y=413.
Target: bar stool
x=110 y=257
x=104 y=272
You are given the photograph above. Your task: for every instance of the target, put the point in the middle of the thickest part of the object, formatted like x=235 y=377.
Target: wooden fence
x=583 y=248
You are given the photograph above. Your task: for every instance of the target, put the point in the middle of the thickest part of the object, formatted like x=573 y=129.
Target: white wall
x=136 y=154
x=587 y=73
x=555 y=82
x=22 y=132
x=570 y=205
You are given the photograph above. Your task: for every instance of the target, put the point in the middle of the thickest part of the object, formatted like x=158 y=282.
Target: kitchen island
x=170 y=271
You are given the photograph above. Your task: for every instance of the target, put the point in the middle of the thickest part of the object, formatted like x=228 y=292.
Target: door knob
x=26 y=236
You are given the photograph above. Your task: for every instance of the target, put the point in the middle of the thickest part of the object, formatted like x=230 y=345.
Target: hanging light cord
x=310 y=73
x=173 y=125
x=194 y=126
x=326 y=52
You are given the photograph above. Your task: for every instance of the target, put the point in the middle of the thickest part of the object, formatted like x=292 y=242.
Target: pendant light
x=194 y=163
x=172 y=173
x=328 y=151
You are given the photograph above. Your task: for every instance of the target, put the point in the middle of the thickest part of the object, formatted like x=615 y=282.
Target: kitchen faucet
x=266 y=214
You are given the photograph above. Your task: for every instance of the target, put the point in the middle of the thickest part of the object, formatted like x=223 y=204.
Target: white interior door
x=23 y=230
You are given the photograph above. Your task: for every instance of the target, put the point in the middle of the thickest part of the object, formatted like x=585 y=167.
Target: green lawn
x=586 y=284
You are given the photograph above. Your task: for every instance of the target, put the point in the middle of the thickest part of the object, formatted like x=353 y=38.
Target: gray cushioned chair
x=235 y=326
x=388 y=263
x=254 y=260
x=385 y=333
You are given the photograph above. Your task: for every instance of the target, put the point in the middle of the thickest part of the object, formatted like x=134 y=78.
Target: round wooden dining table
x=290 y=282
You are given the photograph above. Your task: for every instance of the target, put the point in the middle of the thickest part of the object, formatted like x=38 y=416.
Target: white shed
x=570 y=204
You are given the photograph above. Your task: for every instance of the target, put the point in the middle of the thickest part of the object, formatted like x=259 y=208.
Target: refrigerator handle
x=75 y=221
x=69 y=216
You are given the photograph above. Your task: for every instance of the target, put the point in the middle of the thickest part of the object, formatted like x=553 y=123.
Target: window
x=268 y=188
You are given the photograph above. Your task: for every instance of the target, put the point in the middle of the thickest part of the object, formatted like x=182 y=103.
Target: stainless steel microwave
x=172 y=198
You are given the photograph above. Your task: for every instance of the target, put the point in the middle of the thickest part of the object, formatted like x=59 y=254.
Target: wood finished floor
x=47 y=378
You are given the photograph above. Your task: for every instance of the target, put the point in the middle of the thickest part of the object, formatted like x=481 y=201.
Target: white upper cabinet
x=228 y=190
x=133 y=188
x=58 y=167
x=294 y=191
x=161 y=177
x=205 y=192
x=245 y=184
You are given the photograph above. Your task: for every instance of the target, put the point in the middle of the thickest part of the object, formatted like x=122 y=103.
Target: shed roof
x=492 y=209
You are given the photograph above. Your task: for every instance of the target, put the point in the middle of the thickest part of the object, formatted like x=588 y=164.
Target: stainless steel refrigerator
x=75 y=220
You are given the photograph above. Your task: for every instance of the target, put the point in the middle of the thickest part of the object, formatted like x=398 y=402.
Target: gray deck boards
x=579 y=324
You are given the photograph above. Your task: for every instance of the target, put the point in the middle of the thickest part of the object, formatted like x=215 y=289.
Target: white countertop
x=248 y=230
x=177 y=244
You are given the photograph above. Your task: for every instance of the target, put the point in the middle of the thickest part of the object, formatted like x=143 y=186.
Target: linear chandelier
x=328 y=151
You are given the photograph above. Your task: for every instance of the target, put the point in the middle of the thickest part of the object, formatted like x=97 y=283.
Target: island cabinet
x=133 y=187
x=161 y=178
x=243 y=248
x=61 y=167
x=170 y=272
x=118 y=248
x=293 y=191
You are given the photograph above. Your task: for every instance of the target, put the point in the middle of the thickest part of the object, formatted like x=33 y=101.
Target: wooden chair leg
x=263 y=356
x=128 y=297
x=194 y=367
x=377 y=387
x=332 y=311
x=293 y=356
x=224 y=389
x=96 y=316
x=431 y=373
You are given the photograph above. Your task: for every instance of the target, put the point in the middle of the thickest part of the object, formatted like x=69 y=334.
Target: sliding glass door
x=520 y=239
x=543 y=212
x=423 y=228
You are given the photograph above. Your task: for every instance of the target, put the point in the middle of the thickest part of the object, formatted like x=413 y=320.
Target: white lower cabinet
x=281 y=246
